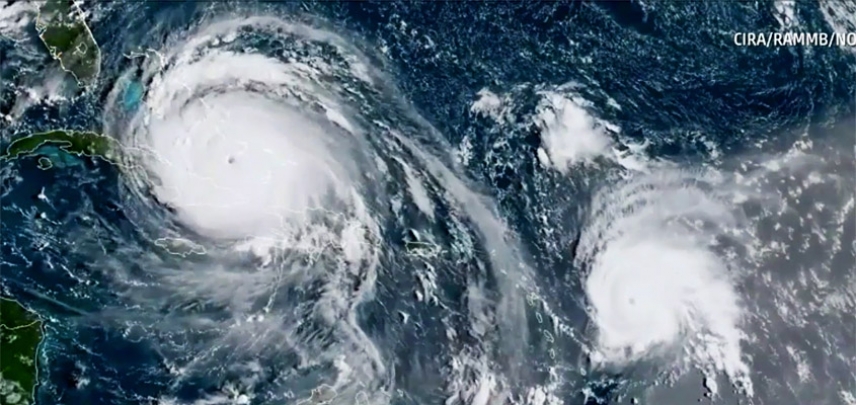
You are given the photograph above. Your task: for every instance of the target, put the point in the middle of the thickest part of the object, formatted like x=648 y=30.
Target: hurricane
x=256 y=203
x=655 y=278
x=285 y=162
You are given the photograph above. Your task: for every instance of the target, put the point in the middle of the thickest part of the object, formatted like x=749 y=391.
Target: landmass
x=321 y=395
x=61 y=26
x=45 y=163
x=20 y=335
x=415 y=246
x=423 y=249
x=80 y=143
x=180 y=246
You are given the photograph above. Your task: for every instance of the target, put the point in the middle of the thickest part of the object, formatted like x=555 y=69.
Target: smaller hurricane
x=659 y=276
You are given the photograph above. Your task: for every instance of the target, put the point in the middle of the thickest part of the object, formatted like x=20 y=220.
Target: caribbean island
x=79 y=143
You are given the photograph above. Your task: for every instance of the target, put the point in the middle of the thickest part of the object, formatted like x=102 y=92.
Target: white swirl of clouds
x=658 y=278
x=284 y=155
x=246 y=145
x=261 y=153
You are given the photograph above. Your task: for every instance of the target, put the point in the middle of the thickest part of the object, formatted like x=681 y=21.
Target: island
x=20 y=335
x=180 y=246
x=61 y=27
x=323 y=394
x=79 y=143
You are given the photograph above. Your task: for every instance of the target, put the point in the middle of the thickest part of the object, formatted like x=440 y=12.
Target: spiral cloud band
x=261 y=149
x=268 y=139
x=234 y=146
x=655 y=279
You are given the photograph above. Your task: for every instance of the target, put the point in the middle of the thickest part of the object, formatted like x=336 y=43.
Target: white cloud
x=569 y=134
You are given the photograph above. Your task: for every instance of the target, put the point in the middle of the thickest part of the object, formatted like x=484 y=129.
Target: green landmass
x=20 y=334
x=64 y=32
x=78 y=143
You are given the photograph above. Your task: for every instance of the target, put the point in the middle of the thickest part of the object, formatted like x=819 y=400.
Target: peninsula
x=20 y=335
x=63 y=30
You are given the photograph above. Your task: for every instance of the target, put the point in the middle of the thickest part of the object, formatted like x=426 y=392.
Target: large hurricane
x=277 y=149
